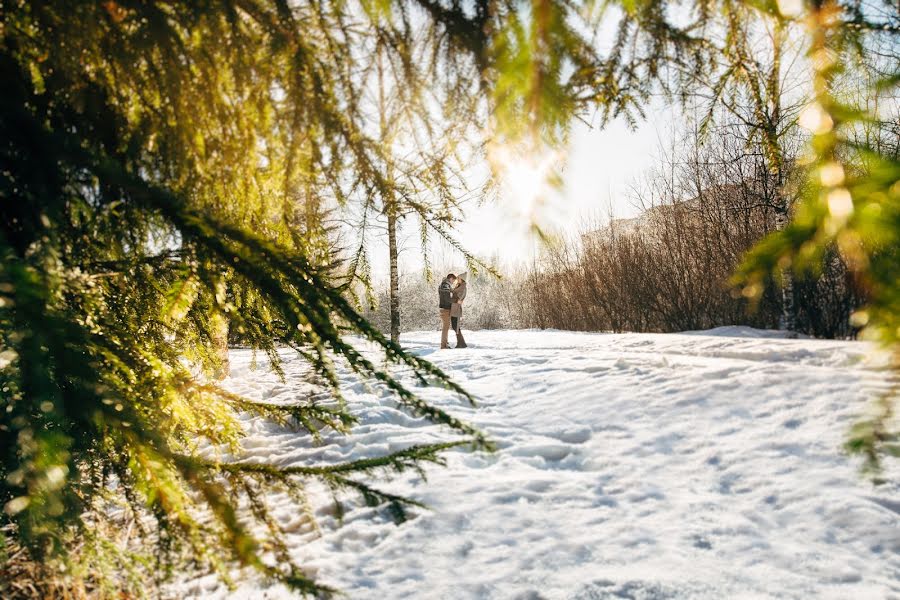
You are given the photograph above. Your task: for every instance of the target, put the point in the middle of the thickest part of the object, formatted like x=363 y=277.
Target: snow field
x=703 y=465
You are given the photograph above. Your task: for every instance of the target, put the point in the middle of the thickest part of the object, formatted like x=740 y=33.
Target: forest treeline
x=706 y=204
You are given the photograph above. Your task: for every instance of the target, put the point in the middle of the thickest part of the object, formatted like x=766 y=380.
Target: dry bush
x=669 y=268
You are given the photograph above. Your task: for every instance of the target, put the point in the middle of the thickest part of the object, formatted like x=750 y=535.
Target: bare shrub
x=668 y=269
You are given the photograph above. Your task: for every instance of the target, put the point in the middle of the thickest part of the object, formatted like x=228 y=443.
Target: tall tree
x=155 y=158
x=757 y=80
x=391 y=209
x=432 y=141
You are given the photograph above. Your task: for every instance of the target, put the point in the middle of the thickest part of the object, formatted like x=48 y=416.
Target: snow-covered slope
x=629 y=466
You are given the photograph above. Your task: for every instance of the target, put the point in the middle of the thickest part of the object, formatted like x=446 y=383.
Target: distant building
x=726 y=197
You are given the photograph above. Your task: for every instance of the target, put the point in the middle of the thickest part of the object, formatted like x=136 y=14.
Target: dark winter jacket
x=444 y=294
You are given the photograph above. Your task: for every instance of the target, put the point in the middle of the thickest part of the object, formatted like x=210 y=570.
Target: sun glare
x=530 y=190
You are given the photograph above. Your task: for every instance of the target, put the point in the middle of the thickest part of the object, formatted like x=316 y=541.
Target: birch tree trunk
x=395 y=276
x=788 y=320
x=390 y=211
x=766 y=93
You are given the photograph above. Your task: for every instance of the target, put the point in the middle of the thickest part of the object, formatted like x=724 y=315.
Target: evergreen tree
x=156 y=160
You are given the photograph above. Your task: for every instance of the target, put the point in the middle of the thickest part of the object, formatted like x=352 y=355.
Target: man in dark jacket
x=444 y=304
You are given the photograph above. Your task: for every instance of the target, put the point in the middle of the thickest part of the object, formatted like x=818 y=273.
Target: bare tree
x=756 y=82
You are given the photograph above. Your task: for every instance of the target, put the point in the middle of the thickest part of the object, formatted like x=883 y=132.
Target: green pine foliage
x=159 y=161
x=851 y=198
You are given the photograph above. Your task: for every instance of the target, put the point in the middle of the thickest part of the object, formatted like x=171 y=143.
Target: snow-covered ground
x=702 y=465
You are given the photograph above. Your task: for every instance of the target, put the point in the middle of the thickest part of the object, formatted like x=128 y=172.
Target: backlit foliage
x=852 y=200
x=165 y=169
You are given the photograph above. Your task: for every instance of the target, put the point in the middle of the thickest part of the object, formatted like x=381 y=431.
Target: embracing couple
x=451 y=294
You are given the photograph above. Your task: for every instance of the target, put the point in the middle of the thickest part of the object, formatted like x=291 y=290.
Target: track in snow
x=629 y=466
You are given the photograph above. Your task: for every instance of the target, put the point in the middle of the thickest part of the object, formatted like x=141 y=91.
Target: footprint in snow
x=549 y=452
x=702 y=543
x=630 y=590
x=575 y=435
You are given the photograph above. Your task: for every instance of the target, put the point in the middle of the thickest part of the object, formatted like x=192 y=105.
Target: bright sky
x=600 y=166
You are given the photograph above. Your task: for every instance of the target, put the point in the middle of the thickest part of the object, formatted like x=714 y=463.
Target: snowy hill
x=629 y=466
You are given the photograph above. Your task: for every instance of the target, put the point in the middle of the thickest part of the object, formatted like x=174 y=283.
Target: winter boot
x=460 y=342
